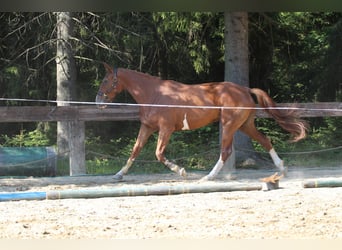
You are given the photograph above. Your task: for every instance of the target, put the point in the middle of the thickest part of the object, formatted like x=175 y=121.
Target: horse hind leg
x=163 y=139
x=144 y=133
x=249 y=129
x=277 y=161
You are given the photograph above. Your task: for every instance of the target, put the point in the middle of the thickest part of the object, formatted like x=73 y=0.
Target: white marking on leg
x=175 y=168
x=277 y=161
x=185 y=123
x=125 y=168
x=214 y=172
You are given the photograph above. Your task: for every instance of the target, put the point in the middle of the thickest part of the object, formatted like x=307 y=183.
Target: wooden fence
x=78 y=115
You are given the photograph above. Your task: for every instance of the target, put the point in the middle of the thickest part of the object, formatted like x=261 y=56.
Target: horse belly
x=189 y=120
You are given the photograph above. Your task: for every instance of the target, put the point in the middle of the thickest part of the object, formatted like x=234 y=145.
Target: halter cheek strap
x=114 y=83
x=115 y=75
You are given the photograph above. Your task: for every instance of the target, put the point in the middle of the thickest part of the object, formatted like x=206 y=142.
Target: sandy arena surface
x=290 y=212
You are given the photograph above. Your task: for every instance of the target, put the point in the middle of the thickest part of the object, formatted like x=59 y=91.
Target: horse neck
x=140 y=87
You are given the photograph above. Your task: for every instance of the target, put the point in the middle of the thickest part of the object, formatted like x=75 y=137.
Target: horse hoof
x=206 y=178
x=231 y=177
x=182 y=172
x=118 y=177
x=284 y=171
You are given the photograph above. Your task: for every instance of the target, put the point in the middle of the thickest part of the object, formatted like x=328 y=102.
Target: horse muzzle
x=100 y=100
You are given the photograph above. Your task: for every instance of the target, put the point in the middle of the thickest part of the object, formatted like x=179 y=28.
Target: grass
x=100 y=159
x=202 y=157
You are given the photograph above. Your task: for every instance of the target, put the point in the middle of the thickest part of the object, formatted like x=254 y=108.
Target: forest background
x=294 y=56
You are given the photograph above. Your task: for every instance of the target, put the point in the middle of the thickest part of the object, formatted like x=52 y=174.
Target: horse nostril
x=101 y=106
x=101 y=100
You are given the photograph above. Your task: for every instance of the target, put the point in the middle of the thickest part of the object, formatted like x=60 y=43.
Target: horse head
x=109 y=87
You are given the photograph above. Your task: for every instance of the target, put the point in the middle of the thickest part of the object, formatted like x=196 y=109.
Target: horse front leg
x=144 y=133
x=225 y=153
x=163 y=140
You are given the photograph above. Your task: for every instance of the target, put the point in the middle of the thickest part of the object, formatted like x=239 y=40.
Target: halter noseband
x=114 y=83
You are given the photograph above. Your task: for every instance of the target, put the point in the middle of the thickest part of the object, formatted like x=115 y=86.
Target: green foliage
x=299 y=55
x=26 y=53
x=26 y=139
x=294 y=55
x=316 y=150
x=43 y=134
x=278 y=137
x=12 y=77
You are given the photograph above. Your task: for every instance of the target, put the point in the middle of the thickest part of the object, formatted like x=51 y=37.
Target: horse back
x=181 y=98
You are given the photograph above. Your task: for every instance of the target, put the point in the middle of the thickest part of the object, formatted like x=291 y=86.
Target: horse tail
x=287 y=119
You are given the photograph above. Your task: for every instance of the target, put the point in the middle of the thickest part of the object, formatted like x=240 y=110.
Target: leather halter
x=114 y=84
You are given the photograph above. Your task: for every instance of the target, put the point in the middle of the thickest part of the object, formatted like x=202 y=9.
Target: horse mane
x=141 y=74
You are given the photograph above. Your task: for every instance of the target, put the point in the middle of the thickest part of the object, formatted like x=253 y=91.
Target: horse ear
x=108 y=68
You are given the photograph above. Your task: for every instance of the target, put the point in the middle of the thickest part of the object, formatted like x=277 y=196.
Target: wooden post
x=65 y=74
x=77 y=147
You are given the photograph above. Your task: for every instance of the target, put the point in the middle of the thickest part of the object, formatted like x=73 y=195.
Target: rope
x=176 y=159
x=168 y=106
x=146 y=161
x=296 y=153
x=212 y=150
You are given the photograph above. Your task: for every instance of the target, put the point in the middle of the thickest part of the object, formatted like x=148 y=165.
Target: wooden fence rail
x=78 y=115
x=124 y=113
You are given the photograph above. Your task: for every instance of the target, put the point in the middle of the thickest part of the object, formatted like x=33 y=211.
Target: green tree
x=298 y=57
x=26 y=53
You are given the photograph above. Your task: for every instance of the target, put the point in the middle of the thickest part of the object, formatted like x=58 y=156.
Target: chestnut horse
x=226 y=102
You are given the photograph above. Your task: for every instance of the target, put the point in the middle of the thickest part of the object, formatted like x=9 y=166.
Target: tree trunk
x=65 y=73
x=66 y=76
x=237 y=71
x=236 y=48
